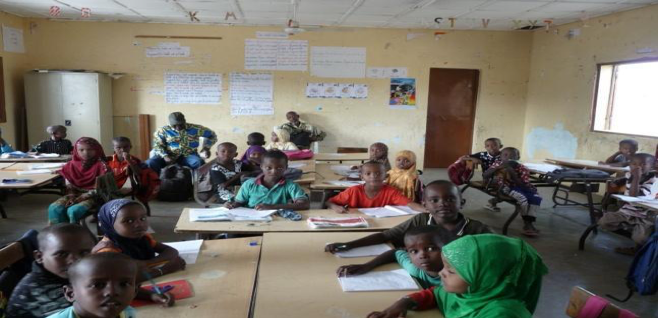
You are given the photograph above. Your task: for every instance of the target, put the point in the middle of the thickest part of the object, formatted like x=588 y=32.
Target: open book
x=364 y=251
x=322 y=222
x=397 y=279
x=388 y=211
x=224 y=214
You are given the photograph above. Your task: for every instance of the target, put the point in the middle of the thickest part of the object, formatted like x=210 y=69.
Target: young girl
x=281 y=140
x=124 y=224
x=404 y=176
x=379 y=153
x=80 y=174
x=485 y=275
x=253 y=155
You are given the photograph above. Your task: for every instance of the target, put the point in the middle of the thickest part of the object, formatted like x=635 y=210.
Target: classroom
x=315 y=158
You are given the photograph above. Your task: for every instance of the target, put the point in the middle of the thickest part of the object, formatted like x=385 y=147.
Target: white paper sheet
x=224 y=214
x=388 y=211
x=209 y=215
x=251 y=94
x=344 y=183
x=364 y=251
x=541 y=167
x=12 y=38
x=187 y=250
x=46 y=155
x=338 y=62
x=28 y=172
x=271 y=35
x=49 y=165
x=168 y=49
x=193 y=88
x=629 y=199
x=379 y=281
x=296 y=165
x=275 y=55
x=246 y=212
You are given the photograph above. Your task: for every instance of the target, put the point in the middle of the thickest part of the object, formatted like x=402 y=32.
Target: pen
x=150 y=279
x=346 y=207
x=341 y=247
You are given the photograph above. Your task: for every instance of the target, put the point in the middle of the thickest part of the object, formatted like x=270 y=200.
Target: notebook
x=341 y=222
x=388 y=211
x=397 y=279
x=187 y=250
x=365 y=251
x=225 y=215
x=181 y=290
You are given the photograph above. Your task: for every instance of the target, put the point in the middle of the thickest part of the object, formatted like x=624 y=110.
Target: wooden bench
x=11 y=254
x=579 y=297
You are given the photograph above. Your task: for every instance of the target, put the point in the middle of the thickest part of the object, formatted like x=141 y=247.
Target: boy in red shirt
x=374 y=193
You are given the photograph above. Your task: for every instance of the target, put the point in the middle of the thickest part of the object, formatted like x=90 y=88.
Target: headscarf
x=140 y=248
x=81 y=173
x=284 y=142
x=501 y=272
x=250 y=150
x=404 y=179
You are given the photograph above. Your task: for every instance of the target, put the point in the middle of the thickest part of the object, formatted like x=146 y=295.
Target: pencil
x=150 y=279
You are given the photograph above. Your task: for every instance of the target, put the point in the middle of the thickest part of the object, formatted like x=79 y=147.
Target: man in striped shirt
x=178 y=143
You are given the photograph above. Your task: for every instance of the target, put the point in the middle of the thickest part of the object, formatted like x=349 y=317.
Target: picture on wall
x=403 y=93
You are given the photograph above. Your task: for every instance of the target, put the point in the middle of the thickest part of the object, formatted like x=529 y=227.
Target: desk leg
x=2 y=211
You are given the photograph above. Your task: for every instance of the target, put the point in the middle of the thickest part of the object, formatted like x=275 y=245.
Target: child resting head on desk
x=404 y=176
x=124 y=225
x=373 y=194
x=485 y=275
x=443 y=201
x=621 y=158
x=57 y=143
x=270 y=190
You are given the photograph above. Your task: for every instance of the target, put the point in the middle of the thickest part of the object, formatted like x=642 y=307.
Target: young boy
x=374 y=193
x=271 y=191
x=101 y=286
x=513 y=179
x=421 y=257
x=226 y=171
x=443 y=201
x=378 y=152
x=636 y=220
x=485 y=159
x=41 y=292
x=621 y=158
x=123 y=164
x=57 y=144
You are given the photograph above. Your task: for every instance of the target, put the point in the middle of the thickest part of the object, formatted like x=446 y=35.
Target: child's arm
x=166 y=299
x=338 y=208
x=167 y=255
x=490 y=172
x=636 y=175
x=612 y=158
x=377 y=238
x=359 y=269
x=514 y=176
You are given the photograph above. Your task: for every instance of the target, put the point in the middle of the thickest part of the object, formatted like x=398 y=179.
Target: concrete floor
x=598 y=268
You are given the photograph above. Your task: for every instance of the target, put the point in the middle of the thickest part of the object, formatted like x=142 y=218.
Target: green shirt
x=423 y=278
x=253 y=192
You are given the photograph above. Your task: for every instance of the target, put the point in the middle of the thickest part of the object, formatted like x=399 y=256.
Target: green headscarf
x=504 y=277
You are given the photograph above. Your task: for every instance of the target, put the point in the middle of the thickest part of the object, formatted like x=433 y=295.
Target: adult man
x=178 y=143
x=302 y=134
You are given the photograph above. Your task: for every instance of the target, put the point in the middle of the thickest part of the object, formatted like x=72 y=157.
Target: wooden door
x=450 y=115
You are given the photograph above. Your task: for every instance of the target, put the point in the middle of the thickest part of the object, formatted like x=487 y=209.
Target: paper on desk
x=541 y=167
x=388 y=211
x=371 y=250
x=187 y=250
x=39 y=171
x=224 y=214
x=246 y=212
x=345 y=183
x=398 y=279
x=631 y=199
x=296 y=165
x=48 y=165
x=47 y=155
x=205 y=215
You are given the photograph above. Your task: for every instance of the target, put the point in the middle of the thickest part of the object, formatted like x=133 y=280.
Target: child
x=253 y=139
x=621 y=158
x=443 y=202
x=4 y=146
x=41 y=292
x=404 y=176
x=225 y=172
x=421 y=257
x=125 y=227
x=253 y=156
x=270 y=190
x=80 y=174
x=515 y=183
x=485 y=159
x=483 y=276
x=379 y=153
x=374 y=193
x=281 y=140
x=636 y=220
x=57 y=143
x=123 y=165
x=101 y=286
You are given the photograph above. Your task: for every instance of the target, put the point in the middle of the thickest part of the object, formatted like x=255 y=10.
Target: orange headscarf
x=404 y=179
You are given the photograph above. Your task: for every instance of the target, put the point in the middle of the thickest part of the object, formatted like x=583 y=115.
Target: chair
x=11 y=254
x=351 y=150
x=580 y=296
x=16 y=261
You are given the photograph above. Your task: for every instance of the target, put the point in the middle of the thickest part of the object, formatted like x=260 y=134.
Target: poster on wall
x=336 y=90
x=403 y=93
x=193 y=88
x=12 y=39
x=251 y=94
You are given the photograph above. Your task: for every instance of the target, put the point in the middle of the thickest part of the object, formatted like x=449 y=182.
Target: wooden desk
x=62 y=158
x=222 y=280
x=37 y=180
x=309 y=171
x=282 y=225
x=296 y=278
x=324 y=174
x=586 y=164
x=23 y=166
x=342 y=157
x=651 y=205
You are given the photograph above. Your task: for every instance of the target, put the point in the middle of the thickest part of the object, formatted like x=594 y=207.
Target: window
x=626 y=99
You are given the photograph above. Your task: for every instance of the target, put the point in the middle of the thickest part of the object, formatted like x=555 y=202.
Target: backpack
x=299 y=154
x=175 y=183
x=643 y=275
x=559 y=174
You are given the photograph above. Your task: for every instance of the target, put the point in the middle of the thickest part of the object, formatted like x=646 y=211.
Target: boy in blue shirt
x=270 y=190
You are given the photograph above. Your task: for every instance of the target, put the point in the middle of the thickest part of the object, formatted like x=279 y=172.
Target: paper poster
x=338 y=62
x=275 y=55
x=386 y=72
x=12 y=39
x=403 y=93
x=193 y=88
x=336 y=90
x=271 y=35
x=168 y=49
x=251 y=94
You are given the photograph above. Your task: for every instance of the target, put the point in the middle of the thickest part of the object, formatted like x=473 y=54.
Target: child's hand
x=636 y=172
x=336 y=247
x=166 y=299
x=230 y=205
x=177 y=264
x=398 y=309
x=350 y=270
x=81 y=198
x=340 y=209
x=260 y=207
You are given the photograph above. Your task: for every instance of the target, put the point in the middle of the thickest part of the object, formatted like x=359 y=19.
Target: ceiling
x=467 y=14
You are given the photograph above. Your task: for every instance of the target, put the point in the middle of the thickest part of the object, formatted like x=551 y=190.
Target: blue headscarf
x=140 y=248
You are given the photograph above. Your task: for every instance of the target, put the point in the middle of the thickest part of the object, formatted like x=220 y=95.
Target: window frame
x=609 y=106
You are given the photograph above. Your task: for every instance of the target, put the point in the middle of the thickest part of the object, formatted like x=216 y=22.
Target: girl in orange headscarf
x=404 y=175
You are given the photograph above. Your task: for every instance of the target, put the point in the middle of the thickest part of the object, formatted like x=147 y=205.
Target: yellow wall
x=562 y=77
x=502 y=57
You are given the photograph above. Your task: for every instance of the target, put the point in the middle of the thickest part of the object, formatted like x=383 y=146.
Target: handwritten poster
x=336 y=90
x=386 y=72
x=168 y=49
x=251 y=94
x=12 y=39
x=193 y=88
x=275 y=55
x=335 y=61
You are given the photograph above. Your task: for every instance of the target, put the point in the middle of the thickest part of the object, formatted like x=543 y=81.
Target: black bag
x=576 y=173
x=302 y=139
x=176 y=183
